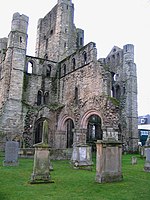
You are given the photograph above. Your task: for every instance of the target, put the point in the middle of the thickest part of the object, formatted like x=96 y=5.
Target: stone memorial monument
x=147 y=153
x=11 y=154
x=108 y=161
x=134 y=160
x=82 y=153
x=82 y=157
x=41 y=168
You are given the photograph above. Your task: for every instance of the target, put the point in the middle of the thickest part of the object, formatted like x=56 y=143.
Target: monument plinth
x=108 y=161
x=82 y=157
x=41 y=168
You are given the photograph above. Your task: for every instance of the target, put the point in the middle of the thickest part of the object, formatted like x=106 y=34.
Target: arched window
x=48 y=70
x=70 y=132
x=30 y=67
x=112 y=92
x=64 y=68
x=73 y=63
x=46 y=56
x=46 y=98
x=46 y=43
x=39 y=97
x=94 y=130
x=85 y=57
x=76 y=95
x=59 y=72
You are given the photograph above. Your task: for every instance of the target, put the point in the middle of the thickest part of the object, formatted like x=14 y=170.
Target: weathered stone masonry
x=82 y=98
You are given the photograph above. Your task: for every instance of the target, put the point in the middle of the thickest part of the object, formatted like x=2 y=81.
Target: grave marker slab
x=147 y=161
x=108 y=161
x=11 y=153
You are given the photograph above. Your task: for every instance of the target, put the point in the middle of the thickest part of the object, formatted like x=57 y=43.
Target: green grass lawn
x=71 y=184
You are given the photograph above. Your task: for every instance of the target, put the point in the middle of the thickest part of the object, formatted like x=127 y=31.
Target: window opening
x=85 y=57
x=64 y=67
x=30 y=67
x=48 y=71
x=46 y=98
x=20 y=39
x=94 y=130
x=81 y=41
x=46 y=43
x=46 y=56
x=76 y=95
x=70 y=132
x=73 y=63
x=39 y=98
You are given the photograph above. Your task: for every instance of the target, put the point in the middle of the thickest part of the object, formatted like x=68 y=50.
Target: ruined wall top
x=128 y=52
x=3 y=43
x=65 y=1
x=19 y=22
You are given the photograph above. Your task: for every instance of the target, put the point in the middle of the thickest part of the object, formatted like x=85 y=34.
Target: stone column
x=108 y=161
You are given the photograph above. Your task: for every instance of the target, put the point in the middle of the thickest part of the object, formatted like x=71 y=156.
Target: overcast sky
x=108 y=23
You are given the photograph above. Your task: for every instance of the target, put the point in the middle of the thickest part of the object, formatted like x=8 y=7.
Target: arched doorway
x=70 y=131
x=94 y=131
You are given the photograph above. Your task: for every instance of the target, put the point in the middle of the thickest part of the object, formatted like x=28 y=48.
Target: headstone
x=11 y=153
x=147 y=153
x=42 y=165
x=82 y=157
x=134 y=160
x=147 y=161
x=108 y=161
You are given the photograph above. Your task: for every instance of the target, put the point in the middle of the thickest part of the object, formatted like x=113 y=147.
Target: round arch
x=61 y=123
x=66 y=125
x=84 y=120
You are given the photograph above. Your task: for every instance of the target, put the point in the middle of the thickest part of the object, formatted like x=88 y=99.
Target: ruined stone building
x=83 y=98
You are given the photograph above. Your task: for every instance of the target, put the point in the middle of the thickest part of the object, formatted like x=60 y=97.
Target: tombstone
x=82 y=157
x=147 y=153
x=134 y=160
x=11 y=154
x=108 y=161
x=42 y=167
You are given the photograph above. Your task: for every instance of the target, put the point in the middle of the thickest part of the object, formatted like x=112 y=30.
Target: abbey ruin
x=83 y=98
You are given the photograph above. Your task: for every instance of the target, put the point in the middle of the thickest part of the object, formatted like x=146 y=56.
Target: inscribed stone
x=11 y=153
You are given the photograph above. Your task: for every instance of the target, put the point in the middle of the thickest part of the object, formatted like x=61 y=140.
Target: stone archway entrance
x=69 y=129
x=94 y=130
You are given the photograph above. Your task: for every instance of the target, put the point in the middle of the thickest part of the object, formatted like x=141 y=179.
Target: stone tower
x=57 y=36
x=12 y=74
x=130 y=109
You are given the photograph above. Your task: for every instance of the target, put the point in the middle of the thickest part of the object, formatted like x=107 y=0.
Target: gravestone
x=42 y=167
x=11 y=154
x=147 y=153
x=82 y=157
x=134 y=160
x=108 y=161
x=147 y=161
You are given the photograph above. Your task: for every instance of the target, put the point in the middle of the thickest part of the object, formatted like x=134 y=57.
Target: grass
x=71 y=184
